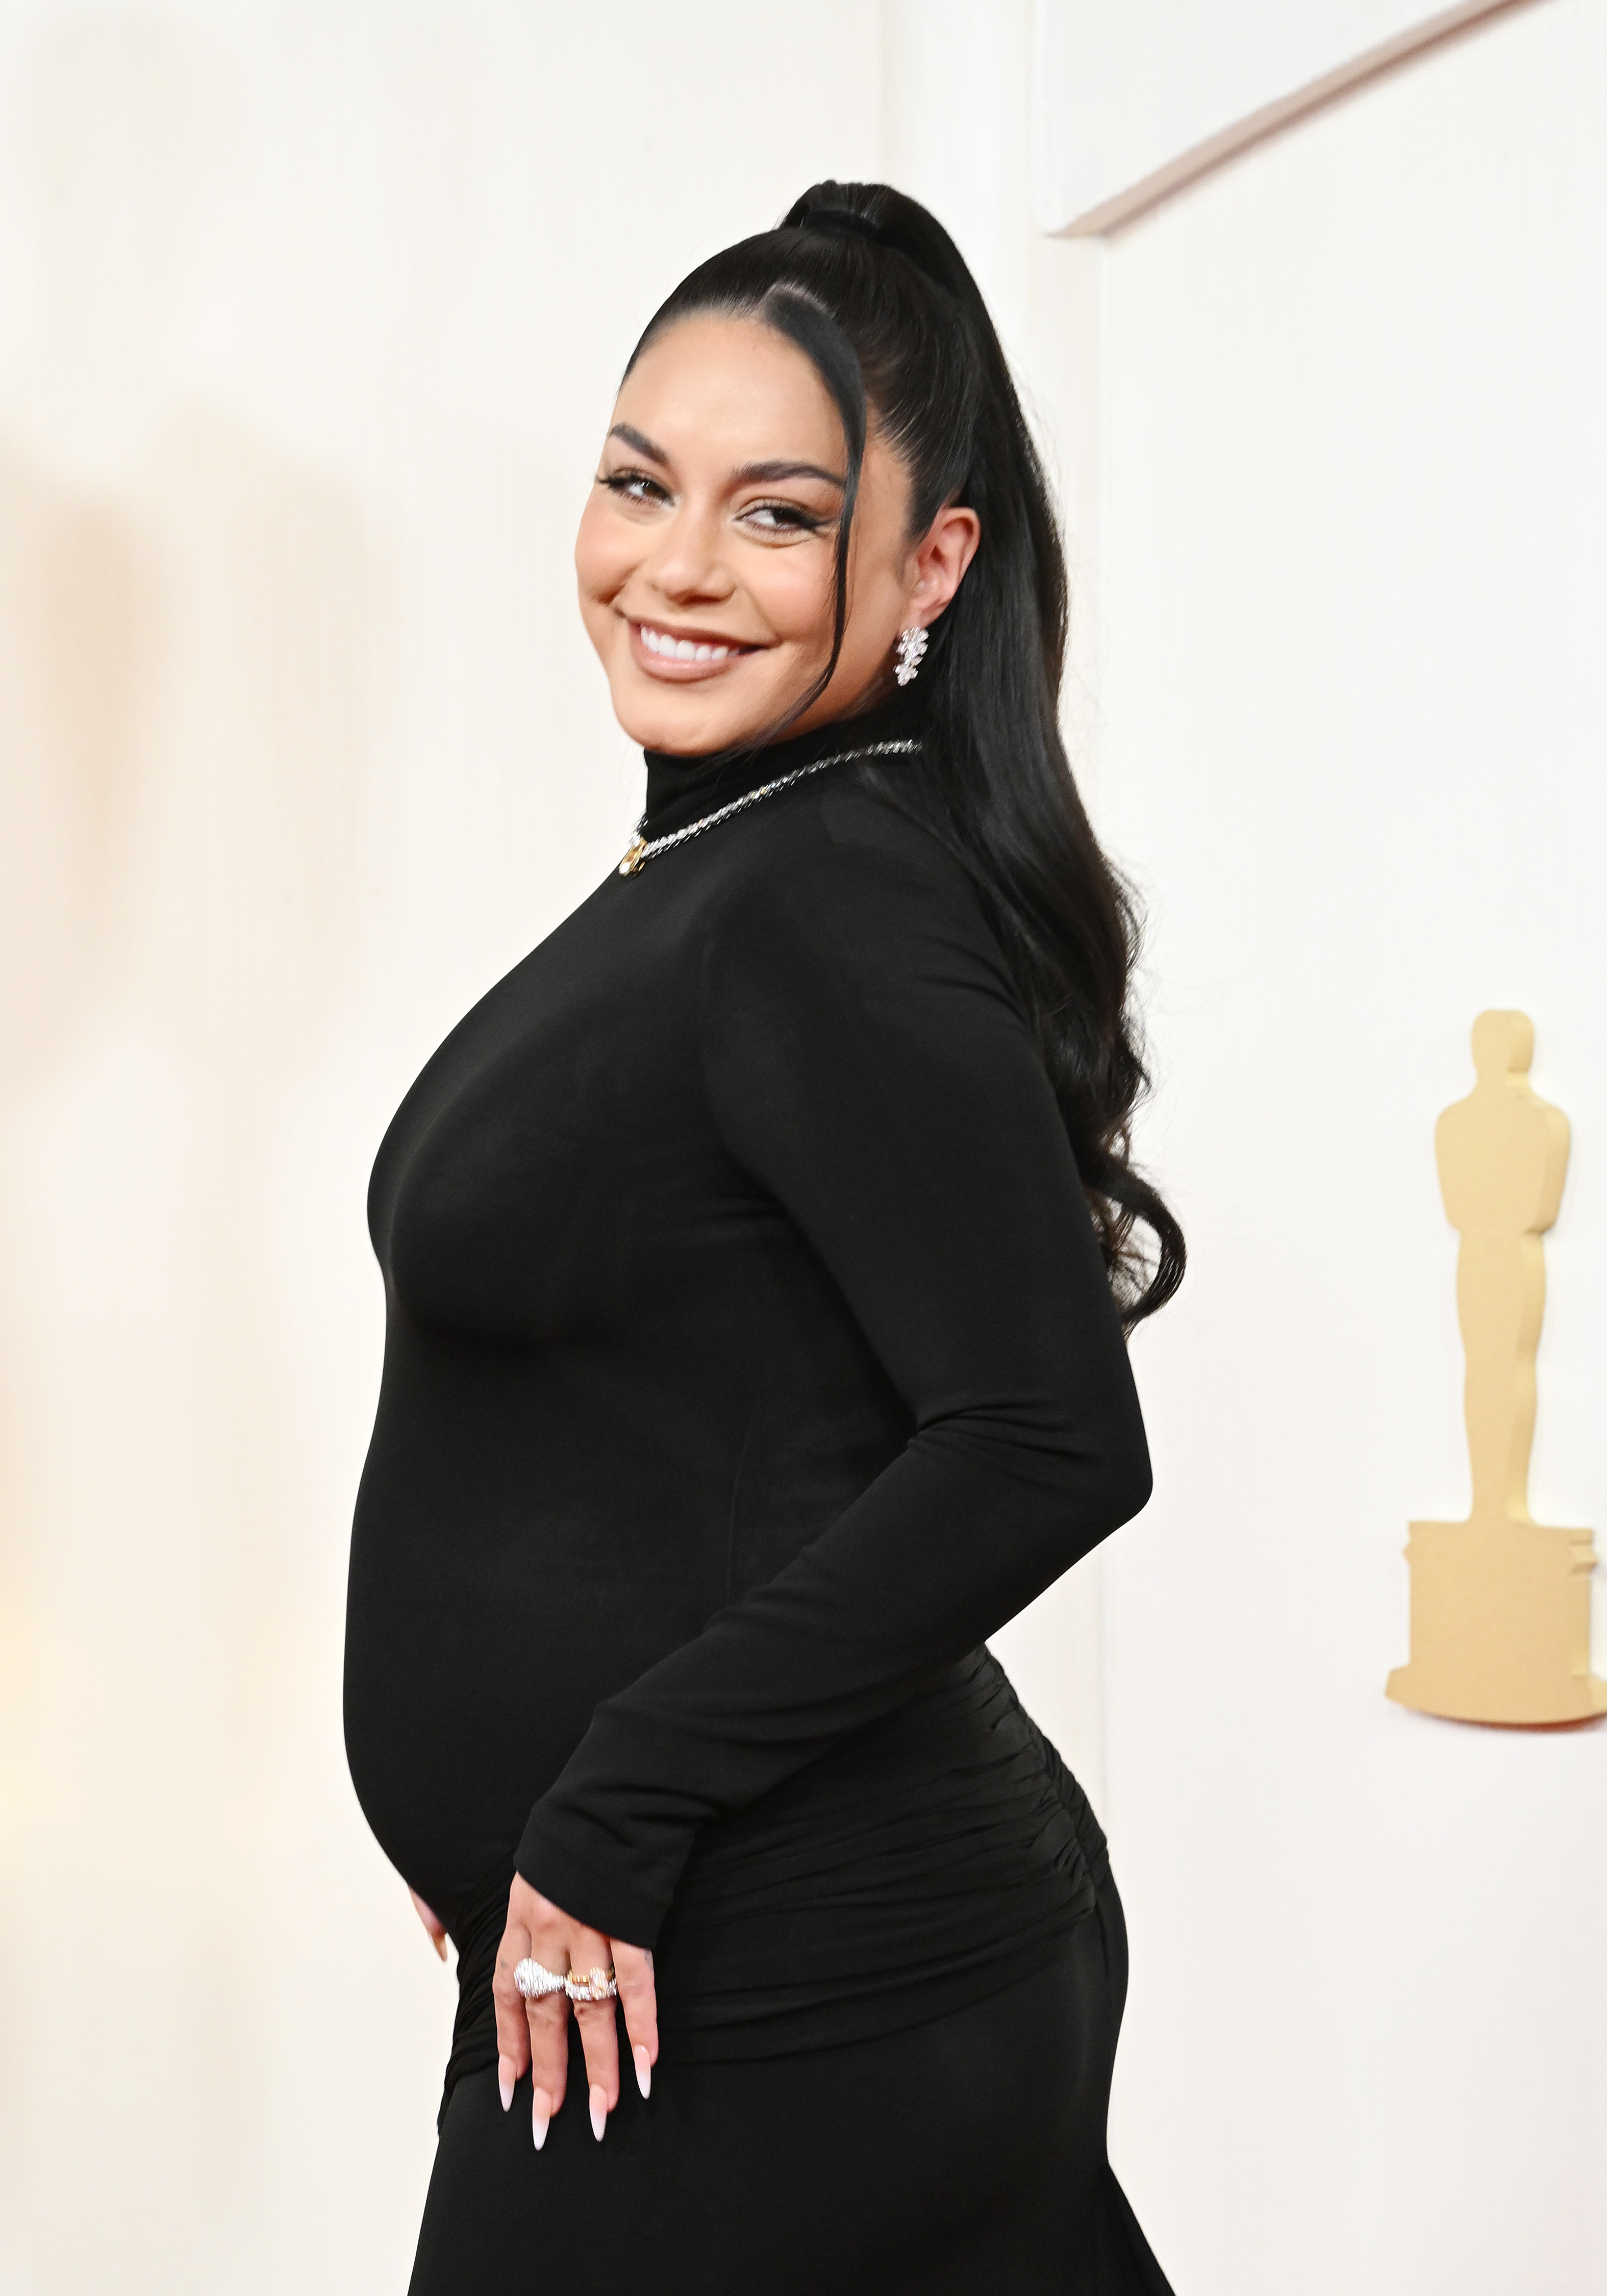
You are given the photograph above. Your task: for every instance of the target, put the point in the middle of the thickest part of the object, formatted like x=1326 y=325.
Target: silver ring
x=535 y=1983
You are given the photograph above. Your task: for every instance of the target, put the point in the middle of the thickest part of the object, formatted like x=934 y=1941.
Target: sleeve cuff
x=603 y=1901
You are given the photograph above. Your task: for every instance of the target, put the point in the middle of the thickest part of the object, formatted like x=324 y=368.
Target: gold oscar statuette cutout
x=1500 y=1603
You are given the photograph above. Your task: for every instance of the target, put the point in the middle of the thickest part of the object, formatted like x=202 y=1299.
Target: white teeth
x=669 y=649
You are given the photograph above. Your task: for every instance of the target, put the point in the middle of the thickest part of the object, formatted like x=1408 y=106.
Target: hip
x=932 y=1859
x=964 y=2151
x=929 y=1864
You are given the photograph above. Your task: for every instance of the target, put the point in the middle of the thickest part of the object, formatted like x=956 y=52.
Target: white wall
x=309 y=320
x=1354 y=586
x=1123 y=87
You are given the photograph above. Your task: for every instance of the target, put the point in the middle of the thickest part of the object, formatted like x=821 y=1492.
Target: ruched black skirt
x=967 y=2155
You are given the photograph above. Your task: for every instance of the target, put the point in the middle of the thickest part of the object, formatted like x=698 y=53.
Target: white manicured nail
x=541 y=2113
x=599 y=2113
x=504 y=2082
x=644 y=2070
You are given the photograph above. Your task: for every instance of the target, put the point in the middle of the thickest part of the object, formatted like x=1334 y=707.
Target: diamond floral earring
x=912 y=645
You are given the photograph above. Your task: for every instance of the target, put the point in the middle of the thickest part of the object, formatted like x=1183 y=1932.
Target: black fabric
x=727 y=1897
x=477 y=1933
x=748 y=1360
x=965 y=2157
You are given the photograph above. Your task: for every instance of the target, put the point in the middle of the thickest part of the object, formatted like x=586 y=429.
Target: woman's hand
x=535 y=2033
x=434 y=1927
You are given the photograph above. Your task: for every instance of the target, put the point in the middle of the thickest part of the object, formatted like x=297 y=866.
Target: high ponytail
x=876 y=294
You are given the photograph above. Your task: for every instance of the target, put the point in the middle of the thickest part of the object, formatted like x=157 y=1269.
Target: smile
x=667 y=650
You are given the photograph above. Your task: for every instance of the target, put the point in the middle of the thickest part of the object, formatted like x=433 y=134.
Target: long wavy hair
x=873 y=289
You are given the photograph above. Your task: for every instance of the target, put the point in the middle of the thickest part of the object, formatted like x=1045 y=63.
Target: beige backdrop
x=309 y=315
x=309 y=318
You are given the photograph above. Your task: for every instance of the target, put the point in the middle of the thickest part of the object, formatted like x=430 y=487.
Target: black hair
x=873 y=289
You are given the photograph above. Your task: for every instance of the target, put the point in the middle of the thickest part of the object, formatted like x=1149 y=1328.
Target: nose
x=687 y=566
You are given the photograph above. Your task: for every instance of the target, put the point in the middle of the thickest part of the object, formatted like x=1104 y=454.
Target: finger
x=639 y=2001
x=545 y=2033
x=435 y=1928
x=512 y=2033
x=547 y=2021
x=599 y=2032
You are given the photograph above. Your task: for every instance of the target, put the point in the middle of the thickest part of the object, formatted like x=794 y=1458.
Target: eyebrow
x=642 y=445
x=759 y=474
x=748 y=475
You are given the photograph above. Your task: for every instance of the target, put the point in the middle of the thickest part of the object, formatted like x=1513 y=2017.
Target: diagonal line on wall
x=1285 y=111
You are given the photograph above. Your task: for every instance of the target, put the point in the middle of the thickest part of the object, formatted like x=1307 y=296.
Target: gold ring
x=596 y=1985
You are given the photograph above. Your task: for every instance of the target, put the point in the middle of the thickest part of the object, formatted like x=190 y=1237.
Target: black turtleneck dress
x=749 y=1359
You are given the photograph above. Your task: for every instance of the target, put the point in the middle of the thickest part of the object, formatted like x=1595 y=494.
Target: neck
x=683 y=789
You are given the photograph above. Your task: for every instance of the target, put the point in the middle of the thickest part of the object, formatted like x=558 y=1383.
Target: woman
x=757 y=1257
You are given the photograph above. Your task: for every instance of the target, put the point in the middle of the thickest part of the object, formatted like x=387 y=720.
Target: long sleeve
x=868 y=1067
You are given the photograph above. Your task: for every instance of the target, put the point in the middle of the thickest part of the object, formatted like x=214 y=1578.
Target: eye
x=634 y=486
x=781 y=517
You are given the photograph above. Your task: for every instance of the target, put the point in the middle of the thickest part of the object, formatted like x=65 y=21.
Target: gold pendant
x=634 y=853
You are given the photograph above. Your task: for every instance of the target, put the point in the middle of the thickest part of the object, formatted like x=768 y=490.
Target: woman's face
x=707 y=549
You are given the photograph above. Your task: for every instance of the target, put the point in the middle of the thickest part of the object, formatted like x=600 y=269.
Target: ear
x=941 y=559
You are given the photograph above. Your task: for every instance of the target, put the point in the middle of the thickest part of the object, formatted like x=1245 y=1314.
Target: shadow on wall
x=184 y=614
x=185 y=617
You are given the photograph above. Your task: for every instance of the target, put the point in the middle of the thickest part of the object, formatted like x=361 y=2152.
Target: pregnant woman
x=757 y=1257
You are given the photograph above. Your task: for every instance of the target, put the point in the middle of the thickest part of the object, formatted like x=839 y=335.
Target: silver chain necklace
x=644 y=850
